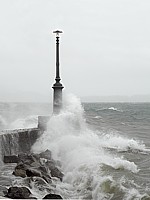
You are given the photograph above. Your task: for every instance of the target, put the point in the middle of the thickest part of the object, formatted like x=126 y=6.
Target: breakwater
x=27 y=171
x=14 y=142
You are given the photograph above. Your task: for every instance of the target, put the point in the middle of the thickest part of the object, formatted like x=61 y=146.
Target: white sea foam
x=28 y=122
x=3 y=123
x=116 y=141
x=98 y=117
x=109 y=109
x=112 y=108
x=83 y=154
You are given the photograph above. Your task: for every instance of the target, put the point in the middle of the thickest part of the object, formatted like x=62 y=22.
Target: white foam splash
x=120 y=143
x=115 y=109
x=83 y=153
x=109 y=109
x=3 y=123
x=98 y=117
x=28 y=122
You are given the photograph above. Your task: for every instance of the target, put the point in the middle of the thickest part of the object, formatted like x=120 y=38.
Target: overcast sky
x=104 y=50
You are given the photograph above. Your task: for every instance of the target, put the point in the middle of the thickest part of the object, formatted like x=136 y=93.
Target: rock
x=28 y=158
x=52 y=196
x=46 y=154
x=30 y=172
x=24 y=170
x=55 y=172
x=21 y=166
x=18 y=193
x=32 y=165
x=43 y=169
x=50 y=164
x=11 y=159
x=20 y=170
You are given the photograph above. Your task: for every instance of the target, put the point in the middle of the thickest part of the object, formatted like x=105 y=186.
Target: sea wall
x=13 y=142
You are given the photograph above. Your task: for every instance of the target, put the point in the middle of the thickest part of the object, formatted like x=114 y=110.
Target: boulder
x=11 y=159
x=39 y=165
x=28 y=158
x=18 y=193
x=30 y=172
x=46 y=154
x=20 y=170
x=55 y=172
x=52 y=196
x=43 y=169
x=25 y=170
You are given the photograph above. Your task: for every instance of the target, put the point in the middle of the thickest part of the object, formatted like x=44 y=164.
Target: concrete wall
x=17 y=141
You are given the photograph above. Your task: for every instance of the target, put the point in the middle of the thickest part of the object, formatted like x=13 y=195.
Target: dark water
x=113 y=145
x=131 y=120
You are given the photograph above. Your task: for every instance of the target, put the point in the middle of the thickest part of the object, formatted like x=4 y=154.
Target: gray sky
x=105 y=48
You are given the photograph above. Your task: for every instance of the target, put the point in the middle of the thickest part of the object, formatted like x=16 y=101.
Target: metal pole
x=57 y=60
x=57 y=99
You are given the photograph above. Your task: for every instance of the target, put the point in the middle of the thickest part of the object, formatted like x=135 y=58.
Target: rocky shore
x=40 y=170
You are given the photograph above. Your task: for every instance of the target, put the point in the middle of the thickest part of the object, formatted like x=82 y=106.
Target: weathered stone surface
x=17 y=141
x=46 y=154
x=38 y=168
x=20 y=172
x=44 y=169
x=55 y=172
x=30 y=172
x=27 y=139
x=30 y=165
x=18 y=193
x=28 y=158
x=52 y=196
x=11 y=159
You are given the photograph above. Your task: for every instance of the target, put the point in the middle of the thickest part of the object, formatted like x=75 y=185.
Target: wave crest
x=84 y=156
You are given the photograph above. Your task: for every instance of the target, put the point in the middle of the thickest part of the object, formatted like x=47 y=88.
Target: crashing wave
x=84 y=156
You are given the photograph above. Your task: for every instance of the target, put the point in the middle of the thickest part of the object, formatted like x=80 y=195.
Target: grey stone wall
x=13 y=142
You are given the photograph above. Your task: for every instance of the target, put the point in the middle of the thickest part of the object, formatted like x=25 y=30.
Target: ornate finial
x=57 y=33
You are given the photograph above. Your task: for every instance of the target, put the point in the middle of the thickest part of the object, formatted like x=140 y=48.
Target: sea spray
x=3 y=123
x=84 y=156
x=27 y=122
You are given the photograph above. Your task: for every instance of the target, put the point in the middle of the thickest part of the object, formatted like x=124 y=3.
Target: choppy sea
x=104 y=148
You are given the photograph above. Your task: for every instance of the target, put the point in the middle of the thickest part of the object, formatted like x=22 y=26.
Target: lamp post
x=57 y=97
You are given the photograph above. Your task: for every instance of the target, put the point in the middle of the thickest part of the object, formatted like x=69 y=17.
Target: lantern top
x=57 y=32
